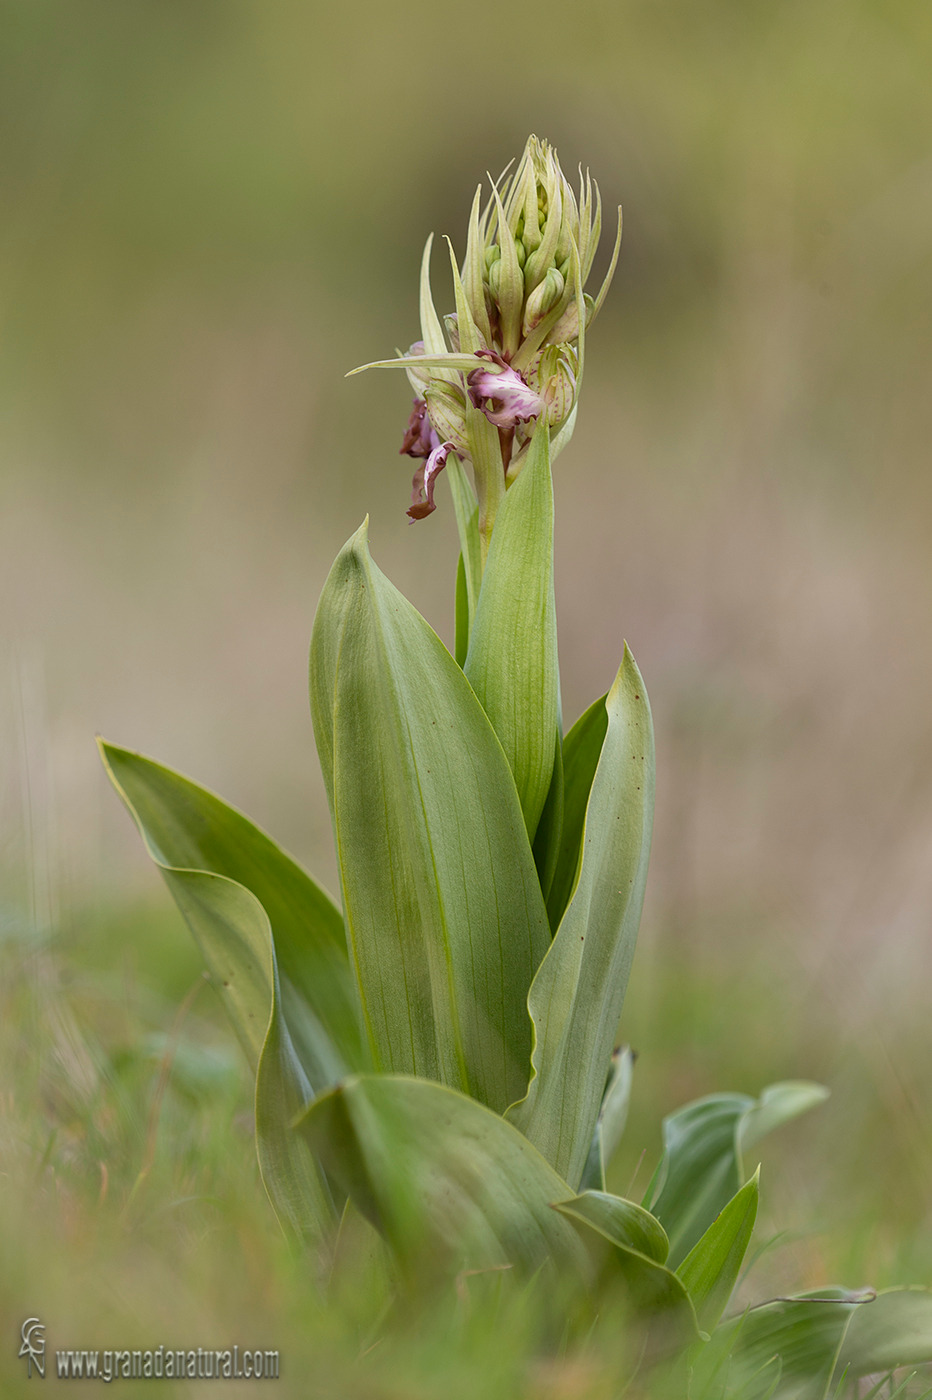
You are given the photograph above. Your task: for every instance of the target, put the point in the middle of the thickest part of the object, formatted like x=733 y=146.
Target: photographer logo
x=33 y=1347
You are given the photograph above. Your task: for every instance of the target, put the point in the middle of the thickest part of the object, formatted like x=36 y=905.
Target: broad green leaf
x=895 y=1330
x=581 y=749
x=807 y=1333
x=623 y=1222
x=710 y=1269
x=576 y=997
x=186 y=827
x=443 y=1178
x=701 y=1169
x=512 y=658
x=651 y=1289
x=234 y=934
x=443 y=909
x=610 y=1123
x=699 y=1173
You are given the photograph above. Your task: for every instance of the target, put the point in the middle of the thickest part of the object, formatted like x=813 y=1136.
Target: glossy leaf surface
x=577 y=995
x=623 y=1222
x=188 y=828
x=652 y=1289
x=710 y=1269
x=895 y=1330
x=234 y=933
x=443 y=908
x=806 y=1333
x=701 y=1167
x=443 y=1178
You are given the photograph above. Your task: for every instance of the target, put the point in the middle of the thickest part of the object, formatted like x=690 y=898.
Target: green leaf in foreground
x=512 y=658
x=234 y=933
x=895 y=1330
x=577 y=994
x=443 y=907
x=701 y=1168
x=443 y=1178
x=185 y=827
x=625 y=1223
x=635 y=1260
x=806 y=1333
x=710 y=1269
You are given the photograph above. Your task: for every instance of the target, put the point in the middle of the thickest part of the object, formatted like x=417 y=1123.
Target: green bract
x=439 y=1054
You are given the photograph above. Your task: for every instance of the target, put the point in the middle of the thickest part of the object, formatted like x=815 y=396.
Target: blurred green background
x=211 y=210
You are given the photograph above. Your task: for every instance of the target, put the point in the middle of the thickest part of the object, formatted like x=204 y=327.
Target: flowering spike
x=511 y=352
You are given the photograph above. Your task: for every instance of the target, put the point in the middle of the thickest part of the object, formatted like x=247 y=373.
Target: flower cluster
x=510 y=356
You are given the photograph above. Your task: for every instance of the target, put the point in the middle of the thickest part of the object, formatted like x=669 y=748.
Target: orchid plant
x=437 y=1053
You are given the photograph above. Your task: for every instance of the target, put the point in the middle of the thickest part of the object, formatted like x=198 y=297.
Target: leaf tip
x=358 y=542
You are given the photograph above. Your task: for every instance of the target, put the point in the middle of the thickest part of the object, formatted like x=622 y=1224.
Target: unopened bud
x=567 y=328
x=542 y=300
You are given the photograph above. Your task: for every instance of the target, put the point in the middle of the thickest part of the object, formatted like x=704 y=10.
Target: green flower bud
x=542 y=300
x=567 y=328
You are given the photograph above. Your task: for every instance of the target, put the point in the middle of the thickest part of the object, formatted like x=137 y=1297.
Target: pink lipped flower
x=422 y=486
x=503 y=394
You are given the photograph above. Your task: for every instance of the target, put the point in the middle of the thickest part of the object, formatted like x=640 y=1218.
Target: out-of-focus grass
x=132 y=1213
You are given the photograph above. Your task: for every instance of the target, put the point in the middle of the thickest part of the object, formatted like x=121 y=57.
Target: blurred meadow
x=212 y=211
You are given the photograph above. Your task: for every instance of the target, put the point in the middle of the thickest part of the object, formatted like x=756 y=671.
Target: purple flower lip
x=503 y=395
x=422 y=486
x=420 y=440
